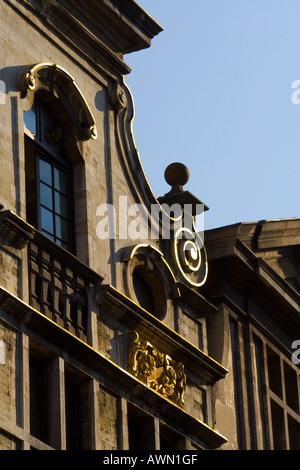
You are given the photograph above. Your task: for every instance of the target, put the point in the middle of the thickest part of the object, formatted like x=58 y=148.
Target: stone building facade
x=119 y=329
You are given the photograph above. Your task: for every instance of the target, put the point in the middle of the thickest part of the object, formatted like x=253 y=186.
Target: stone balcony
x=59 y=283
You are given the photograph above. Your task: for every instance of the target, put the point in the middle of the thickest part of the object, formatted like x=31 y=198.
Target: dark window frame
x=73 y=414
x=38 y=399
x=35 y=151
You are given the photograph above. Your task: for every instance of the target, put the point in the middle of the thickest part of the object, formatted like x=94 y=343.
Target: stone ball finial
x=177 y=175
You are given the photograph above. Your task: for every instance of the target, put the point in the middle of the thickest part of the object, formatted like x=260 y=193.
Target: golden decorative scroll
x=190 y=256
x=157 y=370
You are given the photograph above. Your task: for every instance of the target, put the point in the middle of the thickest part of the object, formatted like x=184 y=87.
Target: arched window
x=57 y=127
x=49 y=181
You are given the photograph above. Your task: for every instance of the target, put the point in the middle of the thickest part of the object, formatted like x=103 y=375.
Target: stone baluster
x=33 y=276
x=45 y=279
x=56 y=289
x=66 y=297
x=79 y=306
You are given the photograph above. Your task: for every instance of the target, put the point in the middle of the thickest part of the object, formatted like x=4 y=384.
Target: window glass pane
x=60 y=180
x=46 y=196
x=45 y=172
x=48 y=120
x=62 y=244
x=30 y=120
x=60 y=204
x=61 y=228
x=47 y=220
x=48 y=235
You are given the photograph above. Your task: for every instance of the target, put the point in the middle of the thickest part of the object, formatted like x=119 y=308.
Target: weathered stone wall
x=8 y=442
x=108 y=420
x=11 y=266
x=10 y=374
x=112 y=339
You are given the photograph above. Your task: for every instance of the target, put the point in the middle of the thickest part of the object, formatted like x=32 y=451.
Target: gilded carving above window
x=155 y=369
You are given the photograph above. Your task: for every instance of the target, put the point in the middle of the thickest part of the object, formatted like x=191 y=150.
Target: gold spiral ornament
x=190 y=256
x=30 y=80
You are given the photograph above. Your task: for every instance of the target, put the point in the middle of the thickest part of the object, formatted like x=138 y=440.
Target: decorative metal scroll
x=190 y=256
x=157 y=370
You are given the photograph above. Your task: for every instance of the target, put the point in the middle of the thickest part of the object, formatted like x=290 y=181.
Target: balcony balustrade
x=59 y=285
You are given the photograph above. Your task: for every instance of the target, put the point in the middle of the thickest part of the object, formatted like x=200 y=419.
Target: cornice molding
x=232 y=259
x=102 y=28
x=278 y=234
x=258 y=236
x=15 y=230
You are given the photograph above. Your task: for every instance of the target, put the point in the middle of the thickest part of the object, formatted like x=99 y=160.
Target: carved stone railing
x=58 y=285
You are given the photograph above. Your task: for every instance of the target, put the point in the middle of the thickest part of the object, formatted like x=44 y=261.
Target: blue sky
x=214 y=91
